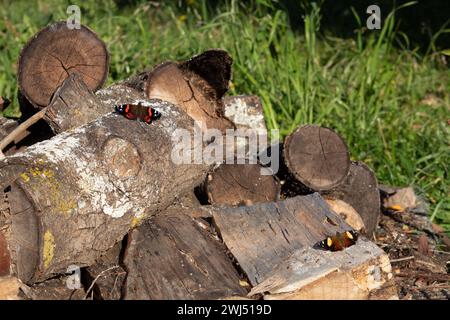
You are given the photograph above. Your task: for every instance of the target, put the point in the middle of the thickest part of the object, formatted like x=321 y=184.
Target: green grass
x=390 y=104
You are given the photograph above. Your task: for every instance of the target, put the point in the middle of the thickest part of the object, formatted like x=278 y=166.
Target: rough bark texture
x=240 y=184
x=91 y=183
x=360 y=190
x=107 y=276
x=317 y=157
x=273 y=244
x=55 y=53
x=173 y=256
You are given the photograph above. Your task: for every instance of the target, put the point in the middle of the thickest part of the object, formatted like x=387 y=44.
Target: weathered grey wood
x=362 y=271
x=240 y=184
x=264 y=235
x=94 y=183
x=172 y=256
x=274 y=244
x=360 y=190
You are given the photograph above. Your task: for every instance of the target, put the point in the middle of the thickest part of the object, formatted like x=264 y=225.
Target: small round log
x=56 y=52
x=317 y=157
x=240 y=184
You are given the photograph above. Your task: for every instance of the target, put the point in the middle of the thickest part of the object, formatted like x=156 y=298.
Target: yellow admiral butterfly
x=138 y=112
x=338 y=242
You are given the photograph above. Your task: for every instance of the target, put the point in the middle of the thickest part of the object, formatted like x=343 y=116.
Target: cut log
x=362 y=271
x=348 y=213
x=317 y=157
x=74 y=104
x=91 y=183
x=240 y=184
x=56 y=52
x=360 y=190
x=196 y=85
x=274 y=244
x=172 y=256
x=263 y=235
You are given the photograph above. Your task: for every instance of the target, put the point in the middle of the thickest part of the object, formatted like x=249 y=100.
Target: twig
x=96 y=278
x=402 y=259
x=21 y=128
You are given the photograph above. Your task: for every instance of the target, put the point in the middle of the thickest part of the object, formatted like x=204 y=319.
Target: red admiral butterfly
x=138 y=112
x=338 y=242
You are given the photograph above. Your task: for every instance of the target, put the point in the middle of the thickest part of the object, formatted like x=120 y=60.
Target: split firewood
x=360 y=190
x=173 y=256
x=94 y=181
x=196 y=85
x=240 y=184
x=348 y=213
x=358 y=273
x=9 y=288
x=275 y=245
x=317 y=157
x=55 y=53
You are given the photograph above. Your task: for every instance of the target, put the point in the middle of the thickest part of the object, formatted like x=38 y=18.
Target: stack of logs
x=92 y=205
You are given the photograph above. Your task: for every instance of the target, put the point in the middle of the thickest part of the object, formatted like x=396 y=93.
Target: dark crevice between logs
x=123 y=251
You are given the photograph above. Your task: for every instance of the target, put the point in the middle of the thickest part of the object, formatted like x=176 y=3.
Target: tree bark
x=74 y=196
x=360 y=190
x=173 y=256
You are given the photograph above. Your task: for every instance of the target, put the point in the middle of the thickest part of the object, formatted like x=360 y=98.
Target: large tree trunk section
x=55 y=53
x=317 y=157
x=264 y=237
x=240 y=184
x=173 y=256
x=91 y=183
x=360 y=190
